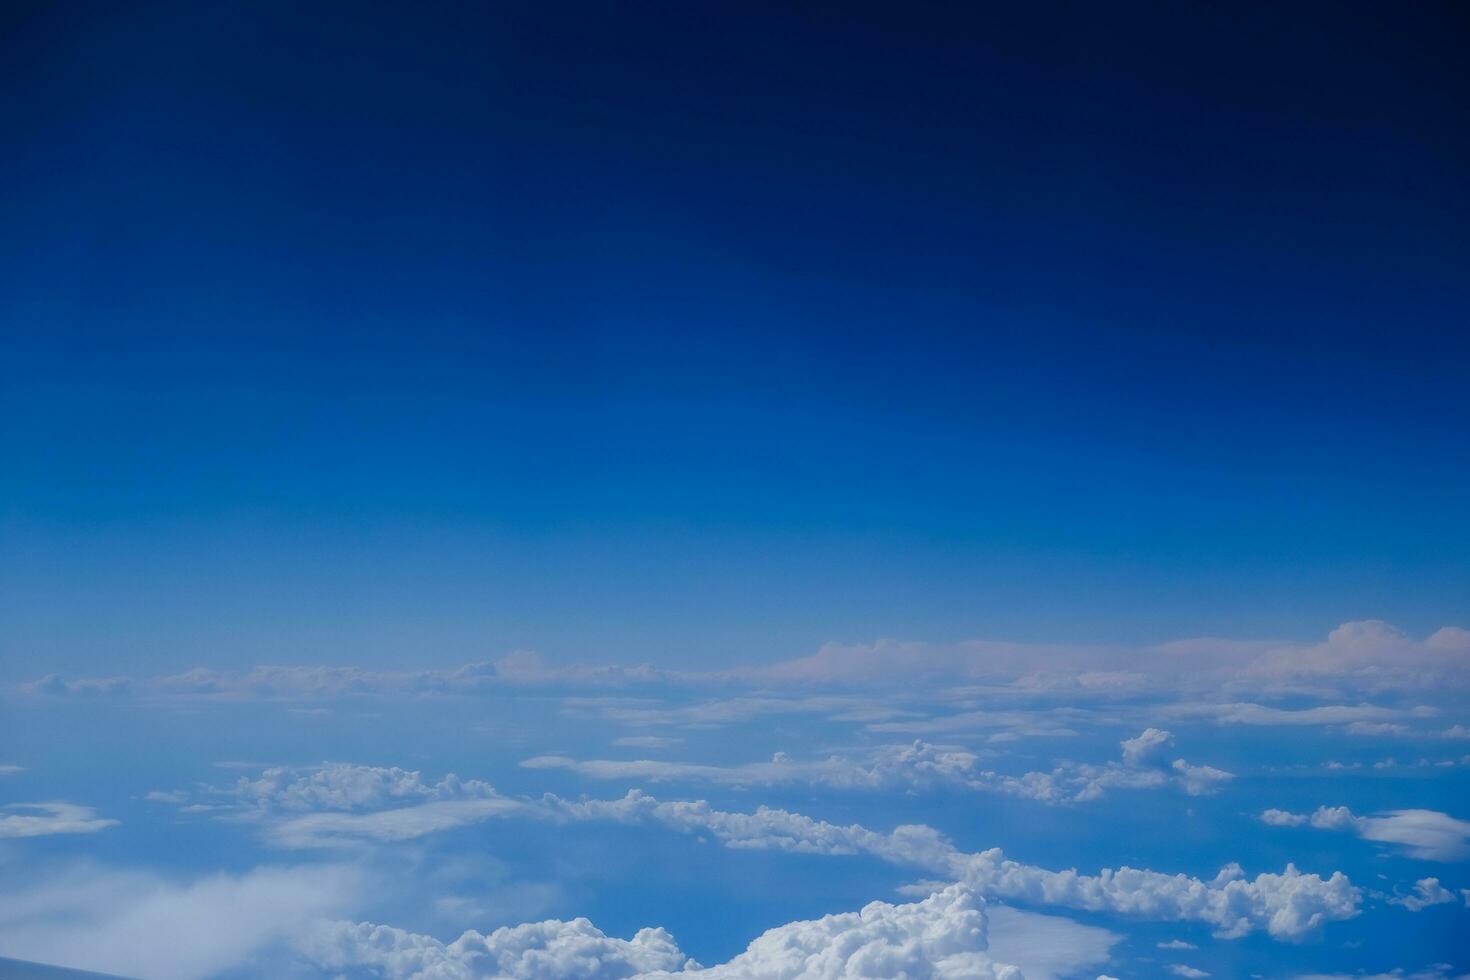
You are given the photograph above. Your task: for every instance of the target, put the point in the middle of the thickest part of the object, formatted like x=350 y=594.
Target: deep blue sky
x=688 y=332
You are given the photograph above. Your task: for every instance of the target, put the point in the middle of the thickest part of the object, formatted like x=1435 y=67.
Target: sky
x=868 y=435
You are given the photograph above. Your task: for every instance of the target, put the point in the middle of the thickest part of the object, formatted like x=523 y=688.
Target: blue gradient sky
x=797 y=351
x=724 y=331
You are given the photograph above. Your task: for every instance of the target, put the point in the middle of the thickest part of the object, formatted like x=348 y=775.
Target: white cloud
x=915 y=764
x=341 y=805
x=1200 y=780
x=54 y=817
x=1426 y=834
x=1046 y=947
x=335 y=829
x=920 y=764
x=943 y=937
x=341 y=786
x=144 y=925
x=550 y=950
x=1289 y=905
x=1145 y=745
x=1366 y=656
x=1426 y=892
x=1180 y=970
x=1176 y=944
x=1283 y=818
x=11 y=770
x=173 y=797
x=1436 y=971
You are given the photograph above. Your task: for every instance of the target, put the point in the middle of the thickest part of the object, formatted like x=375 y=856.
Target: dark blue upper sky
x=682 y=331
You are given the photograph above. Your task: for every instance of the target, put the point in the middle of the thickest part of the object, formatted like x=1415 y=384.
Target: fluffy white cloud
x=1426 y=834
x=1426 y=892
x=1144 y=746
x=1180 y=970
x=55 y=817
x=1073 y=782
x=1289 y=905
x=943 y=937
x=550 y=950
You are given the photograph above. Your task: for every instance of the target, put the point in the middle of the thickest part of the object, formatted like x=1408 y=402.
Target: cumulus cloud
x=55 y=817
x=943 y=937
x=550 y=950
x=1425 y=834
x=1290 y=905
x=1150 y=742
x=1073 y=782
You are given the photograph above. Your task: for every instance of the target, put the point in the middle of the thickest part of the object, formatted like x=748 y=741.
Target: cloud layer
x=943 y=937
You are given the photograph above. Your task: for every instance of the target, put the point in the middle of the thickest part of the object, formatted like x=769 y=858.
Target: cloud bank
x=943 y=937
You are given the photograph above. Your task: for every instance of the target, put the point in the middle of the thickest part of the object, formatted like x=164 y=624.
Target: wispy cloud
x=920 y=764
x=143 y=924
x=1426 y=834
x=1365 y=657
x=54 y=817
